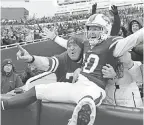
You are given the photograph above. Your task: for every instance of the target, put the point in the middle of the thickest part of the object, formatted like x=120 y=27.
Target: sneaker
x=84 y=113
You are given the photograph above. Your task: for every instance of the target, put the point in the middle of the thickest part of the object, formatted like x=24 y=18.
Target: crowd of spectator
x=21 y=31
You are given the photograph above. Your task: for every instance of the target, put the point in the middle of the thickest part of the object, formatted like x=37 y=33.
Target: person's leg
x=55 y=92
x=20 y=100
x=90 y=96
x=66 y=92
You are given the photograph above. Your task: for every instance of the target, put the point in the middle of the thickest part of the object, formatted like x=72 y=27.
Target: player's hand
x=23 y=55
x=48 y=34
x=76 y=74
x=113 y=10
x=108 y=71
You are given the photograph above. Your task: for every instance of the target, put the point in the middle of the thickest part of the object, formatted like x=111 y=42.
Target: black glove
x=114 y=10
x=94 y=6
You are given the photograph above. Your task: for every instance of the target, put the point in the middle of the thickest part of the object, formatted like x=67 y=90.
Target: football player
x=88 y=90
x=99 y=50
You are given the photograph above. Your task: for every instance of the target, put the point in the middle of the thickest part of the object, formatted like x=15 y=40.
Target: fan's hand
x=48 y=34
x=23 y=55
x=113 y=10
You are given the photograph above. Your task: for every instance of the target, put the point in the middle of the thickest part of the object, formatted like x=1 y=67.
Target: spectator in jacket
x=9 y=79
x=134 y=26
x=126 y=82
x=137 y=52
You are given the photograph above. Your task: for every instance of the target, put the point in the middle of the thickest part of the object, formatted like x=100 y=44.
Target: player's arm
x=126 y=44
x=62 y=42
x=116 y=23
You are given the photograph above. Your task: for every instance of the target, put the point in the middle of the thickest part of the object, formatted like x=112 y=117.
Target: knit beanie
x=6 y=61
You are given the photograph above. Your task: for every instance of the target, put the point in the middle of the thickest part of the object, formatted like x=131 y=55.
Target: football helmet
x=98 y=28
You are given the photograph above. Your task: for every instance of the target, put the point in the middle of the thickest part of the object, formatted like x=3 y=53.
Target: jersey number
x=91 y=64
x=69 y=75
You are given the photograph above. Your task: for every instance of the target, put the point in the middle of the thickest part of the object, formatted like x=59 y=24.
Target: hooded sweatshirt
x=137 y=52
x=130 y=26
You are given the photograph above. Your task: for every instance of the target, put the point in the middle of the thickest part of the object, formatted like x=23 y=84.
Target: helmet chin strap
x=96 y=41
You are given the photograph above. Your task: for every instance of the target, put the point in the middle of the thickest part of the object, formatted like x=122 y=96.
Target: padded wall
x=58 y=114
x=23 y=116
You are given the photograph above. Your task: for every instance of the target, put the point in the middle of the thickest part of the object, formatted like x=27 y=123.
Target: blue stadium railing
x=30 y=42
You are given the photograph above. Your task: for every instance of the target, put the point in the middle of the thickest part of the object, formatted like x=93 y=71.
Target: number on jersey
x=91 y=63
x=69 y=75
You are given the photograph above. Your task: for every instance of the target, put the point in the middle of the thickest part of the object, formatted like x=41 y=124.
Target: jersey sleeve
x=61 y=61
x=125 y=44
x=60 y=41
x=53 y=64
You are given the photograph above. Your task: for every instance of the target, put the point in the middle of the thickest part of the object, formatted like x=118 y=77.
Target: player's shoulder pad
x=114 y=40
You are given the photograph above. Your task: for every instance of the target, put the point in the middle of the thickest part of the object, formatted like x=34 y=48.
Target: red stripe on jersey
x=53 y=64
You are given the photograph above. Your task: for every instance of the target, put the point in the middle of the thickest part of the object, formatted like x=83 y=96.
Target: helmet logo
x=92 y=18
x=106 y=19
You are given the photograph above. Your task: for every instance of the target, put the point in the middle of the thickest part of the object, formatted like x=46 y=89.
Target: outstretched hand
x=23 y=55
x=48 y=34
x=114 y=10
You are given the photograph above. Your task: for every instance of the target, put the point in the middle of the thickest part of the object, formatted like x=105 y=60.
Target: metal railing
x=22 y=44
x=30 y=42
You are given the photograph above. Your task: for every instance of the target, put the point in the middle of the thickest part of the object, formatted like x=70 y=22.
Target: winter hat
x=76 y=40
x=133 y=22
x=6 y=61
